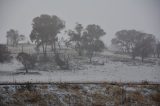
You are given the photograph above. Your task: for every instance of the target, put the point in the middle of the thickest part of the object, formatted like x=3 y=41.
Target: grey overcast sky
x=111 y=15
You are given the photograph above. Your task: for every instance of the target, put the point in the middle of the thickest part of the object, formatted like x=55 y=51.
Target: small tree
x=27 y=60
x=91 y=40
x=4 y=54
x=12 y=37
x=62 y=59
x=158 y=49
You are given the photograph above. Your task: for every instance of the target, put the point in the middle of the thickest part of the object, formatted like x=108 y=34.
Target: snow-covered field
x=110 y=71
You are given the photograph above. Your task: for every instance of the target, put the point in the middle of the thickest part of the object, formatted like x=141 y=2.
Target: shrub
x=27 y=60
x=63 y=64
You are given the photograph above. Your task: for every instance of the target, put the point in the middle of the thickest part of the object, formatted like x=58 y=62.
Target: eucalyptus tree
x=76 y=37
x=135 y=43
x=44 y=31
x=91 y=40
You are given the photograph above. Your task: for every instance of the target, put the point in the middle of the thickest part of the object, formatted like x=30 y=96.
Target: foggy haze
x=111 y=15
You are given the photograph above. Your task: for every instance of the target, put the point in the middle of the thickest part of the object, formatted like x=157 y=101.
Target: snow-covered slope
x=110 y=71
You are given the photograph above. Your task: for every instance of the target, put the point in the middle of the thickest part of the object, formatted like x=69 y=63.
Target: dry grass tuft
x=99 y=99
x=156 y=97
x=63 y=86
x=135 y=97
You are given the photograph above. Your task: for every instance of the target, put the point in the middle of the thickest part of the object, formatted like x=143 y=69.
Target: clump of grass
x=43 y=86
x=75 y=87
x=153 y=87
x=156 y=97
x=27 y=86
x=135 y=97
x=99 y=99
x=63 y=86
x=25 y=97
x=2 y=100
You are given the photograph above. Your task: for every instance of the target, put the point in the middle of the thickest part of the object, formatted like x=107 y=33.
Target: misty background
x=111 y=15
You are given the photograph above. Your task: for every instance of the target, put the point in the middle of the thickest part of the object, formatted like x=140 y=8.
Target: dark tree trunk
x=90 y=57
x=79 y=49
x=133 y=56
x=79 y=52
x=26 y=68
x=142 y=58
x=158 y=54
x=54 y=47
x=44 y=46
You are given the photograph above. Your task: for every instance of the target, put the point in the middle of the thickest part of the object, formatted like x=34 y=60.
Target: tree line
x=84 y=40
x=45 y=30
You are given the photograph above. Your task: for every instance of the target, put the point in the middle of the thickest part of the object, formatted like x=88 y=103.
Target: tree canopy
x=134 y=42
x=45 y=29
x=91 y=40
x=76 y=37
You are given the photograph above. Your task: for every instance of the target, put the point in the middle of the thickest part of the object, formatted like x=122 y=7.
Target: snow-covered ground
x=110 y=71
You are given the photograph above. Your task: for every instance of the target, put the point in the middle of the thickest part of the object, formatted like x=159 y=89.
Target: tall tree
x=91 y=40
x=145 y=47
x=45 y=29
x=135 y=42
x=12 y=37
x=76 y=37
x=56 y=27
x=127 y=40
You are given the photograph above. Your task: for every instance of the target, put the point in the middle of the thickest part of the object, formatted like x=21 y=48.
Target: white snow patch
x=111 y=71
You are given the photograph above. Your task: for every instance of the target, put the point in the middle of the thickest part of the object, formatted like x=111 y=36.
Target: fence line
x=59 y=82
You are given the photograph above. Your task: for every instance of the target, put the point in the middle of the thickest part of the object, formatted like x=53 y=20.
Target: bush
x=44 y=59
x=4 y=54
x=27 y=60
x=63 y=64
